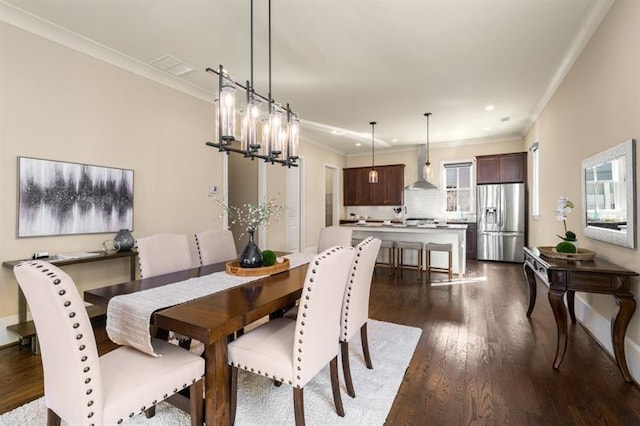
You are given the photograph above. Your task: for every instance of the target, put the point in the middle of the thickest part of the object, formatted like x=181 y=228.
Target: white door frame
x=335 y=170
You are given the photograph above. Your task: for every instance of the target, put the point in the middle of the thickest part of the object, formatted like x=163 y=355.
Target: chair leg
x=298 y=405
x=233 y=397
x=335 y=386
x=195 y=403
x=150 y=412
x=365 y=346
x=346 y=369
x=52 y=418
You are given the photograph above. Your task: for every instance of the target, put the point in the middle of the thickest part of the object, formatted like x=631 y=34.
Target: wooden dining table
x=212 y=319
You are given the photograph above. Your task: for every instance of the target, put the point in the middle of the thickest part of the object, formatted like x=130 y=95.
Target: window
x=458 y=187
x=535 y=192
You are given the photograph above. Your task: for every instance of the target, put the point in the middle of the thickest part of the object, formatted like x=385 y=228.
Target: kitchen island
x=452 y=233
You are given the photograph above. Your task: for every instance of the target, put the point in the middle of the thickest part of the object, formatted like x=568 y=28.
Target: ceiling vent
x=172 y=65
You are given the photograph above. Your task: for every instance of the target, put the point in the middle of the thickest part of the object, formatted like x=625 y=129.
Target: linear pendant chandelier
x=279 y=139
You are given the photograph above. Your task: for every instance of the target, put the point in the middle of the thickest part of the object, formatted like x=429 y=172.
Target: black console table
x=26 y=329
x=591 y=276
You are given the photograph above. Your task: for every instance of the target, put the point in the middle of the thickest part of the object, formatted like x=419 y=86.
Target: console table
x=592 y=276
x=26 y=329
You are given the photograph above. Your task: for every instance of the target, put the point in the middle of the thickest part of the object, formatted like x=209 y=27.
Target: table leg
x=132 y=268
x=556 y=299
x=571 y=304
x=531 y=281
x=627 y=306
x=217 y=383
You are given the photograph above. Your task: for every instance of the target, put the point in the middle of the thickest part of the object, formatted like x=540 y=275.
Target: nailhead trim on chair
x=304 y=315
x=82 y=347
x=360 y=248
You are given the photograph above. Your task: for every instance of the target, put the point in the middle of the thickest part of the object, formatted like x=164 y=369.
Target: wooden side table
x=26 y=329
x=592 y=276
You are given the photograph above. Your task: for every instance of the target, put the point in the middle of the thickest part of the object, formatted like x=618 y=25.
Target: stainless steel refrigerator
x=501 y=222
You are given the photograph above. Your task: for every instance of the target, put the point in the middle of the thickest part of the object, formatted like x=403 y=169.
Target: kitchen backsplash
x=427 y=204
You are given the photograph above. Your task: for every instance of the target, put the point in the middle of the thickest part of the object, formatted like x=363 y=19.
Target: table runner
x=129 y=315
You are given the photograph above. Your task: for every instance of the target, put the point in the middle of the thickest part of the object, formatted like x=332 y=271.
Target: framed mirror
x=609 y=195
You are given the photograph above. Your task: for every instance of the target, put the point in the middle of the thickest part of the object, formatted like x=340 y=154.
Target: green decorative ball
x=268 y=258
x=565 y=247
x=570 y=236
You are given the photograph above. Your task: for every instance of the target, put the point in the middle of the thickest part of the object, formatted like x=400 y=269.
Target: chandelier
x=272 y=137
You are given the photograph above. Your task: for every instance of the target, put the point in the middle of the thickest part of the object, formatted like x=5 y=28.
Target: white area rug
x=261 y=403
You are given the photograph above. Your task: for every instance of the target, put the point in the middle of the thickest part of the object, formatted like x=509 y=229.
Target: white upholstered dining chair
x=294 y=352
x=334 y=236
x=355 y=306
x=84 y=389
x=215 y=246
x=163 y=253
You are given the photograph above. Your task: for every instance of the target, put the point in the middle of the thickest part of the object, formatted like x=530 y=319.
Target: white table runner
x=129 y=315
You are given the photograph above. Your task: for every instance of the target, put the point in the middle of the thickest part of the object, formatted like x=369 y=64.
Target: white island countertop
x=428 y=233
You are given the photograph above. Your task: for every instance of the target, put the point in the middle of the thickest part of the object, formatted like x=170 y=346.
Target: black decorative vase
x=251 y=256
x=124 y=240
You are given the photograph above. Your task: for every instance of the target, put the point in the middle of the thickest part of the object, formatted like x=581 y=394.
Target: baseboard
x=7 y=337
x=600 y=329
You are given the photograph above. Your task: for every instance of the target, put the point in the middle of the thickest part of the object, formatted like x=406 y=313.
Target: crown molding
x=50 y=31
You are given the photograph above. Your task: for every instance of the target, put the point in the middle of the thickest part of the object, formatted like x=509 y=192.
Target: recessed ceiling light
x=487 y=129
x=394 y=140
x=337 y=132
x=171 y=64
x=358 y=144
x=489 y=108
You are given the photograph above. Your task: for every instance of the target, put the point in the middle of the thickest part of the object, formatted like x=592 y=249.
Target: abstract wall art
x=61 y=198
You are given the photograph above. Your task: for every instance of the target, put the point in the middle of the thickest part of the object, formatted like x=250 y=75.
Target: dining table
x=213 y=319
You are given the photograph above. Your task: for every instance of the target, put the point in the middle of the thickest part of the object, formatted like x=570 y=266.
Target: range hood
x=421 y=184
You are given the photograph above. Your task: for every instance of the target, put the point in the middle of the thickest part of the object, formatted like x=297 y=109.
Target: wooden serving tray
x=582 y=254
x=233 y=268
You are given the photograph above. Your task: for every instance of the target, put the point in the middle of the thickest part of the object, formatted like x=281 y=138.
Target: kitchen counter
x=445 y=233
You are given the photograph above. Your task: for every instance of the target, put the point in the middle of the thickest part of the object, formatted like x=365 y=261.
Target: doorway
x=331 y=194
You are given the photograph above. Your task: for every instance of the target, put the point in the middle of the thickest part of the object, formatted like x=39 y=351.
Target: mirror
x=609 y=195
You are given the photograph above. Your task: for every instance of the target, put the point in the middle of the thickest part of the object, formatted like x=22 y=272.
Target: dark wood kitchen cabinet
x=357 y=191
x=502 y=168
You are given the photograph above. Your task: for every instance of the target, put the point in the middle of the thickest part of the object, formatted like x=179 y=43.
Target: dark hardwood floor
x=480 y=360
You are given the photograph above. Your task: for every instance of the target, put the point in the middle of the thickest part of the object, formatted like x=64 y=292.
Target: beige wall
x=56 y=103
x=596 y=107
x=315 y=159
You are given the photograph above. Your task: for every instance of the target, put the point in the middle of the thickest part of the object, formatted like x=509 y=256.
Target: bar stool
x=409 y=245
x=390 y=246
x=439 y=247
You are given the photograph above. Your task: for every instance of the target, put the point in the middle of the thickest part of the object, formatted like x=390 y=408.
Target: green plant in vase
x=252 y=217
x=569 y=242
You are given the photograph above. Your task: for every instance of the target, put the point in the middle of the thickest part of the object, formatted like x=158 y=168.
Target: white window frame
x=472 y=184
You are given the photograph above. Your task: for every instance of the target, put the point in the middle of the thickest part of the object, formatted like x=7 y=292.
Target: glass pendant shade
x=427 y=171
x=294 y=136
x=250 y=119
x=373 y=176
x=277 y=132
x=226 y=109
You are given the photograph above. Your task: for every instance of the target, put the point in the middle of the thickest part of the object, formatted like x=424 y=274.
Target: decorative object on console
x=280 y=131
x=61 y=198
x=569 y=242
x=124 y=239
x=373 y=173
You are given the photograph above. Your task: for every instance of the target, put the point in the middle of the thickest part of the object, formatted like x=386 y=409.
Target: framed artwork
x=60 y=198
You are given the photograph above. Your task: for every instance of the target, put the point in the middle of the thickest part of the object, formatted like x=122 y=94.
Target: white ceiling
x=342 y=64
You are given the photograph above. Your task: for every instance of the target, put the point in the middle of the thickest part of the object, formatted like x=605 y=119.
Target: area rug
x=262 y=403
